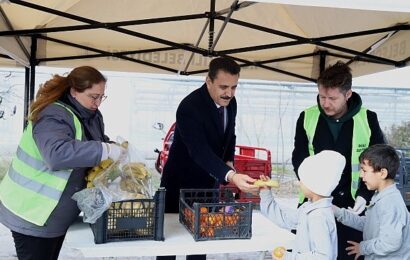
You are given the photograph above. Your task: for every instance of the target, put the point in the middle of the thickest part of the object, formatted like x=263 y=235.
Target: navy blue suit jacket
x=200 y=147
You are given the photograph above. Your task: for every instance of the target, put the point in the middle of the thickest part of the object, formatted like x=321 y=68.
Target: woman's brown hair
x=80 y=78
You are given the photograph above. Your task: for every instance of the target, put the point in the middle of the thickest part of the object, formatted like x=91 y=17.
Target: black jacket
x=324 y=140
x=200 y=148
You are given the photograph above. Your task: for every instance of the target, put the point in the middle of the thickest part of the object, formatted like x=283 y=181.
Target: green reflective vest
x=30 y=189
x=360 y=141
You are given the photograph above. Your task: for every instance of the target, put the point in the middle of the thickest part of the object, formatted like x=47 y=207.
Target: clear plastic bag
x=124 y=179
x=93 y=202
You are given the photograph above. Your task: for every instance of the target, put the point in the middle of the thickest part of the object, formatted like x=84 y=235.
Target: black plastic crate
x=213 y=214
x=138 y=219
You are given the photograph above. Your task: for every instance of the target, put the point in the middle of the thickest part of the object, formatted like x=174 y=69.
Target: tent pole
x=30 y=80
x=11 y=29
x=211 y=26
x=196 y=45
x=233 y=8
x=33 y=64
x=26 y=95
x=322 y=61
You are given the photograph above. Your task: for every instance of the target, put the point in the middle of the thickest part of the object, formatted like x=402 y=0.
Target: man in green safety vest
x=339 y=122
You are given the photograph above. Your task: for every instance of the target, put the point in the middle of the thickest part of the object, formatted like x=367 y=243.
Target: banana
x=96 y=170
x=131 y=185
x=131 y=205
x=91 y=174
x=137 y=170
x=124 y=144
x=269 y=183
x=106 y=163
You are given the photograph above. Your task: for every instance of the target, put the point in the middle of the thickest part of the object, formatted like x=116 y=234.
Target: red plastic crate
x=253 y=161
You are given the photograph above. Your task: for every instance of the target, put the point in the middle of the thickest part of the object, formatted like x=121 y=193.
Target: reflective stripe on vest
x=360 y=141
x=30 y=189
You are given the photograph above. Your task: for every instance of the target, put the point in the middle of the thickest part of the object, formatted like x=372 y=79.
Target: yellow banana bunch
x=131 y=185
x=137 y=170
x=128 y=205
x=105 y=163
x=136 y=208
x=93 y=172
x=136 y=178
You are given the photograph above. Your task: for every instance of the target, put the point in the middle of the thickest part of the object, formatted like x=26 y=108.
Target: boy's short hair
x=381 y=156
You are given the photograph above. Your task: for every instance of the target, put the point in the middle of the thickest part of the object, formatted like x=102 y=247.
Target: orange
x=219 y=220
x=210 y=232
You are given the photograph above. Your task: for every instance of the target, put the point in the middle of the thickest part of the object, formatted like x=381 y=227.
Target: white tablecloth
x=178 y=241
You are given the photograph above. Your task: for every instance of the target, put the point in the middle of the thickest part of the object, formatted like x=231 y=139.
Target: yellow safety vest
x=30 y=189
x=360 y=141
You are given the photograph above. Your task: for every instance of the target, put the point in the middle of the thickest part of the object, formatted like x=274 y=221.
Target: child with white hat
x=314 y=221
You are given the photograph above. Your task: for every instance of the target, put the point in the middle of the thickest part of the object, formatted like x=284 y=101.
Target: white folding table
x=178 y=241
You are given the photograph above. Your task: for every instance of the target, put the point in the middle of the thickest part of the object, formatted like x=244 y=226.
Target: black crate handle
x=160 y=209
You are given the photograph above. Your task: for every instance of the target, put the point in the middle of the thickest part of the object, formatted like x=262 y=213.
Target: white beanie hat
x=321 y=172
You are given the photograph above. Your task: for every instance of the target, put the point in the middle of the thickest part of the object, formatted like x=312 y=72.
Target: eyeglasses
x=96 y=98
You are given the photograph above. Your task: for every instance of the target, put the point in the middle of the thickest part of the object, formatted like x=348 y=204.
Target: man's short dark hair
x=381 y=156
x=225 y=64
x=337 y=76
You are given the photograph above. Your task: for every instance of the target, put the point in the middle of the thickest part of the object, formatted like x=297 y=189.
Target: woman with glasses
x=63 y=139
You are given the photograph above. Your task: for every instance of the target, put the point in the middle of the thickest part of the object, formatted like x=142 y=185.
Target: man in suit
x=202 y=152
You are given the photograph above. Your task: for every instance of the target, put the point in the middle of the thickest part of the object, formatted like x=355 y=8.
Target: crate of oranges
x=213 y=214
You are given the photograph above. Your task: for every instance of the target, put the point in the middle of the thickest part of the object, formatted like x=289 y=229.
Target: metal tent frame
x=323 y=49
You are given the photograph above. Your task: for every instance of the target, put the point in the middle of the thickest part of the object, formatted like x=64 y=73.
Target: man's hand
x=353 y=249
x=243 y=182
x=359 y=206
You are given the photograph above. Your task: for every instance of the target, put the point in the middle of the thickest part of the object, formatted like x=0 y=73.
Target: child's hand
x=353 y=249
x=278 y=253
x=264 y=178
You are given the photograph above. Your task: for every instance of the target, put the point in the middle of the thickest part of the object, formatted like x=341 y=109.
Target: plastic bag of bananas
x=125 y=179
x=121 y=180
